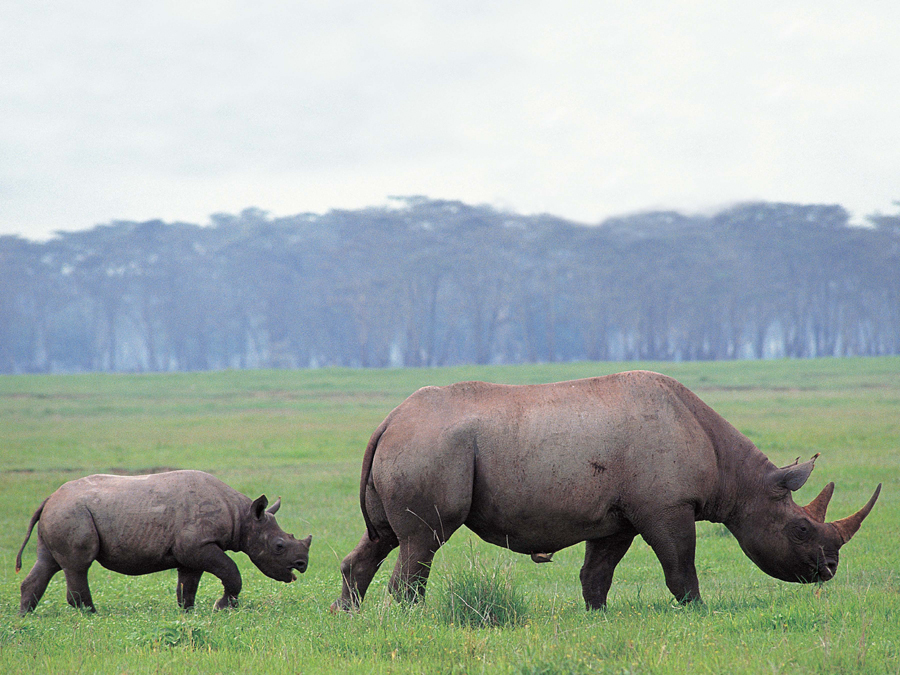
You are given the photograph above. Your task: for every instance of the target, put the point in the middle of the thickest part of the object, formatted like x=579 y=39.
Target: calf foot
x=226 y=602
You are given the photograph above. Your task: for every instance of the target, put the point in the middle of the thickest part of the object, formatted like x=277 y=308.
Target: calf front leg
x=210 y=558
x=673 y=537
x=188 y=582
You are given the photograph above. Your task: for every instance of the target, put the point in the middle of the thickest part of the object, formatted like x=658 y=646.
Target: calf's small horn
x=848 y=526
x=818 y=506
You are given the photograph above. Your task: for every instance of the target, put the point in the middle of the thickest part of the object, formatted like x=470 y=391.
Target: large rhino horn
x=818 y=506
x=848 y=526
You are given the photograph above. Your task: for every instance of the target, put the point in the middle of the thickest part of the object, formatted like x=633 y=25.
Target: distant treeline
x=439 y=282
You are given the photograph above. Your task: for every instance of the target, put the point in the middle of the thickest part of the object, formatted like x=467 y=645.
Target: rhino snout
x=827 y=569
x=300 y=566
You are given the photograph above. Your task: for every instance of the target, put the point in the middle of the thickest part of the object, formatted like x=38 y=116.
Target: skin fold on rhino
x=538 y=468
x=182 y=520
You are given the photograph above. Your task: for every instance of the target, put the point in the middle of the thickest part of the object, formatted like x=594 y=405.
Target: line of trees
x=428 y=282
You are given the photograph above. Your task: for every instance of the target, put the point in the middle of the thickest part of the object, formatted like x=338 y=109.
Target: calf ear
x=793 y=476
x=258 y=507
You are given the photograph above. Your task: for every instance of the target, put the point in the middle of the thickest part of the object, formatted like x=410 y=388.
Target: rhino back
x=142 y=523
x=559 y=463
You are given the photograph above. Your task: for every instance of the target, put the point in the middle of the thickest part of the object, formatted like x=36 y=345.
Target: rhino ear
x=258 y=507
x=793 y=476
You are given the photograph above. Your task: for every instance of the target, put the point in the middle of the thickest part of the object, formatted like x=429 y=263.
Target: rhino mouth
x=300 y=566
x=822 y=570
x=826 y=570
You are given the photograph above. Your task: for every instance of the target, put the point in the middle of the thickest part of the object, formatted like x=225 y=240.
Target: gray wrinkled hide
x=142 y=524
x=542 y=467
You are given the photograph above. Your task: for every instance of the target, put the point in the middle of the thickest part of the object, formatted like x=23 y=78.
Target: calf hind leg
x=34 y=585
x=78 y=593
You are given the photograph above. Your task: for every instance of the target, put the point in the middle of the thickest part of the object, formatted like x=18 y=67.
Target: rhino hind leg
x=34 y=585
x=673 y=539
x=78 y=593
x=600 y=559
x=413 y=566
x=188 y=583
x=360 y=566
x=420 y=538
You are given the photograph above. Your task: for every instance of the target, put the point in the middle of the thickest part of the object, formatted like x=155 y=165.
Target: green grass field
x=301 y=434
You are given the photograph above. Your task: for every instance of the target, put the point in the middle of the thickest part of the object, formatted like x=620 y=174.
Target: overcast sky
x=136 y=110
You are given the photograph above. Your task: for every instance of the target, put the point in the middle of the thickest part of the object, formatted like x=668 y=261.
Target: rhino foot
x=225 y=602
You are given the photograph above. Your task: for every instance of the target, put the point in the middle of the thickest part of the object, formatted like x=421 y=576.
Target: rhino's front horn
x=818 y=506
x=848 y=526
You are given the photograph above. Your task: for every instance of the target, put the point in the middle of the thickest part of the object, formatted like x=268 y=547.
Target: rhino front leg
x=673 y=537
x=227 y=571
x=78 y=593
x=34 y=585
x=210 y=558
x=188 y=583
x=600 y=559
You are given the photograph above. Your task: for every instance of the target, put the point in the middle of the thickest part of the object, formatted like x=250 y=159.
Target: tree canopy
x=431 y=282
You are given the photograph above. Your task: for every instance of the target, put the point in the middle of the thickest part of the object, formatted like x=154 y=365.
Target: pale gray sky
x=585 y=109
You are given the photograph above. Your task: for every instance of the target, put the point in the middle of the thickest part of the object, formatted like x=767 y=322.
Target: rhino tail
x=36 y=517
x=368 y=459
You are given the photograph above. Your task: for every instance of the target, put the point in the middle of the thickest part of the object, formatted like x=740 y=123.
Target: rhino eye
x=800 y=530
x=279 y=546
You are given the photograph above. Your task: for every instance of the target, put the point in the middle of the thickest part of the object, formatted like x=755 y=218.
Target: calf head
x=792 y=542
x=275 y=552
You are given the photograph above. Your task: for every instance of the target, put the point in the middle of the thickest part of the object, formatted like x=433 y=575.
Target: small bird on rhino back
x=182 y=520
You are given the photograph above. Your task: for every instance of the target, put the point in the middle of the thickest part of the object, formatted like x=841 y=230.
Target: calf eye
x=279 y=546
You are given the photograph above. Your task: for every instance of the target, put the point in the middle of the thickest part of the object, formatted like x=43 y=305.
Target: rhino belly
x=540 y=527
x=136 y=545
x=138 y=563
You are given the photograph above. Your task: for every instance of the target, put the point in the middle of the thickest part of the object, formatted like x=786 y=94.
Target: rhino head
x=792 y=542
x=275 y=552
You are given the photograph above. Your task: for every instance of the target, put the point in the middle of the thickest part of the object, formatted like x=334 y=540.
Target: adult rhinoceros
x=537 y=468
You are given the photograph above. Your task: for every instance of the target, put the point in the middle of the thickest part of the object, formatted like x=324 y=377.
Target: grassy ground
x=300 y=434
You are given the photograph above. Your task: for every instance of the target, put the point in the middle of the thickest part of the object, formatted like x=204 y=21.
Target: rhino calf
x=537 y=468
x=182 y=520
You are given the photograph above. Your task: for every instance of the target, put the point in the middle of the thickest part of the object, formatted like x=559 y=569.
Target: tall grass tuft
x=480 y=595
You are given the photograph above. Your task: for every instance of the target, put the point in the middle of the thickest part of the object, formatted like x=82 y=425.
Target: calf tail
x=36 y=517
x=368 y=458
